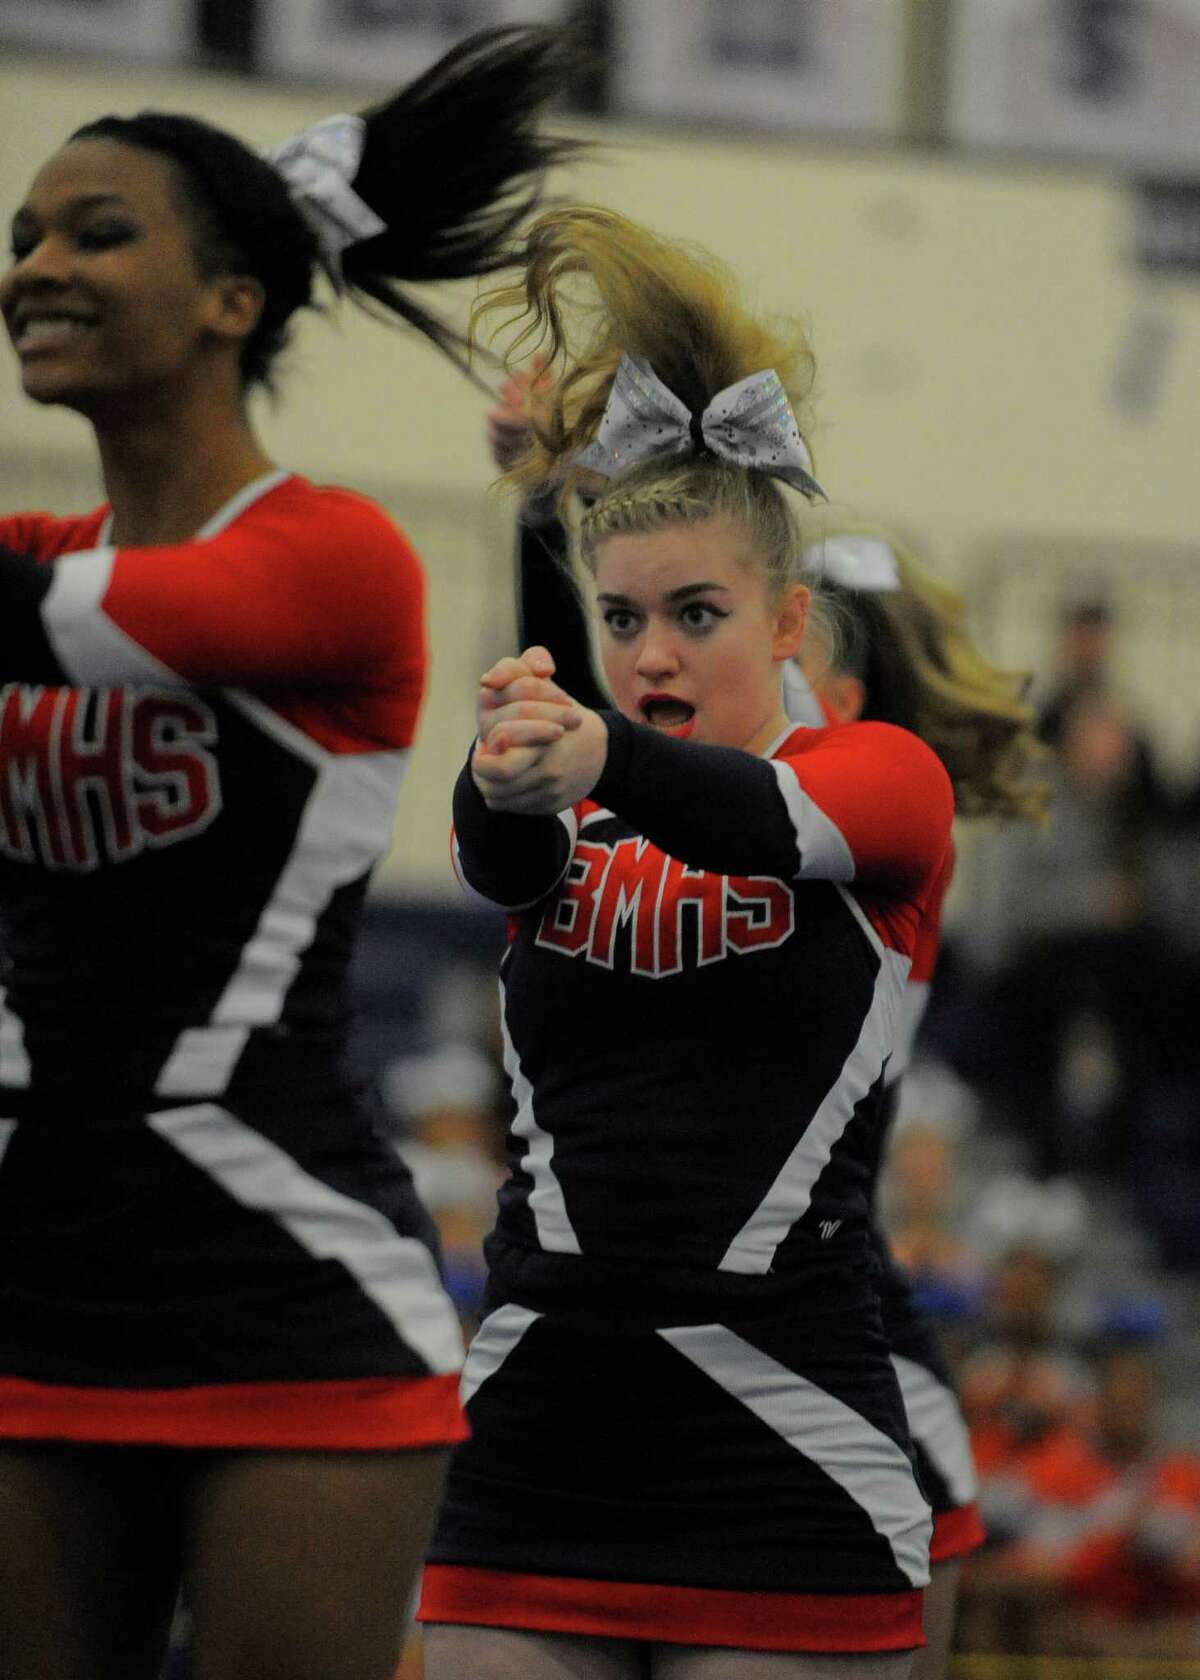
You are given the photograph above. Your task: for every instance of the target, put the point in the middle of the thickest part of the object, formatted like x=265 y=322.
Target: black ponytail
x=454 y=164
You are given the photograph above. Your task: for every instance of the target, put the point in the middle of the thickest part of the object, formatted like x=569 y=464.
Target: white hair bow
x=319 y=164
x=854 y=562
x=750 y=423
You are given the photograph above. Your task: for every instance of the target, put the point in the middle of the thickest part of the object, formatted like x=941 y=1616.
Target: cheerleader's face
x=104 y=301
x=691 y=638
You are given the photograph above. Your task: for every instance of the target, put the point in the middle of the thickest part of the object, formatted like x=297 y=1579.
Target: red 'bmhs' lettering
x=567 y=922
x=632 y=883
x=28 y=718
x=92 y=761
x=759 y=912
x=170 y=733
x=92 y=776
x=707 y=892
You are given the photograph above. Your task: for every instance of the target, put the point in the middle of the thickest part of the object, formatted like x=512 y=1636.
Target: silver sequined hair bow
x=750 y=423
x=854 y=562
x=319 y=164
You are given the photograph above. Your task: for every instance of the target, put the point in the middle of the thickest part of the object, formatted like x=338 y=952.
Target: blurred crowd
x=1043 y=1183
x=1070 y=976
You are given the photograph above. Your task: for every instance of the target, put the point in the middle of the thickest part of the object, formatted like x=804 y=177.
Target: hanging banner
x=380 y=42
x=1117 y=80
x=830 y=65
x=145 y=29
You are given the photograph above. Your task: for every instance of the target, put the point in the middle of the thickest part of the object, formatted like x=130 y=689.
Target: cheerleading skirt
x=197 y=1277
x=743 y=1481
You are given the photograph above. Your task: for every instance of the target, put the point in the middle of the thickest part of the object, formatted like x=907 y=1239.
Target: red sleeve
x=45 y=536
x=929 y=935
x=306 y=587
x=870 y=803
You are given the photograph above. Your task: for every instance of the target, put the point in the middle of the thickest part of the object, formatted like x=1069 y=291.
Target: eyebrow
x=86 y=201
x=683 y=593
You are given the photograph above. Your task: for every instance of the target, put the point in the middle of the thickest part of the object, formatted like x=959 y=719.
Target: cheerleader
x=689 y=1451
x=225 y=1353
x=898 y=651
x=902 y=655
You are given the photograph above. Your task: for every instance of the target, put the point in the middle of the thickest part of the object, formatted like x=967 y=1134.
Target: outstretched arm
x=326 y=592
x=865 y=801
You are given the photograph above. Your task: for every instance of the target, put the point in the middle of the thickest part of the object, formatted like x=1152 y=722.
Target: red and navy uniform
x=549 y=611
x=685 y=1421
x=203 y=1239
x=939 y=1430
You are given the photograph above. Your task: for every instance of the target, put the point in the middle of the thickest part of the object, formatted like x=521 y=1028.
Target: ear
x=236 y=303
x=844 y=696
x=791 y=615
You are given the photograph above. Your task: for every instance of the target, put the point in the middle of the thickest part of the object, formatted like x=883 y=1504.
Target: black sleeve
x=714 y=808
x=550 y=613
x=512 y=860
x=26 y=655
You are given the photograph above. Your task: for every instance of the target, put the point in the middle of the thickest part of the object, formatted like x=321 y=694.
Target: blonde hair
x=922 y=670
x=597 y=286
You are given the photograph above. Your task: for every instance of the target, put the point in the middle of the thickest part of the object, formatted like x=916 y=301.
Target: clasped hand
x=538 y=752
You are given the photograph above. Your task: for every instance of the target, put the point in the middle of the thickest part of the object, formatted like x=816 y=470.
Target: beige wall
x=968 y=319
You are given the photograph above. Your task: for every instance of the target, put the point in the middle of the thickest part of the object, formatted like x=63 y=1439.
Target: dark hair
x=452 y=164
x=242 y=218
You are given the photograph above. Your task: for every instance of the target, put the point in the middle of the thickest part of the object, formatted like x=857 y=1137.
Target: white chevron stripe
x=398 y=1273
x=821 y=851
x=861 y=1459
x=495 y=1339
x=546 y=1200
x=788 y=1199
x=14 y=1058
x=935 y=1421
x=346 y=825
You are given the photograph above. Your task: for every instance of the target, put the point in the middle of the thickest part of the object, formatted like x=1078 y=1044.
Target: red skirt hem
x=359 y=1413
x=956 y=1533
x=755 y=1621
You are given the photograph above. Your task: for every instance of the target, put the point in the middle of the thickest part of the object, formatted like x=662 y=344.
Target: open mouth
x=668 y=715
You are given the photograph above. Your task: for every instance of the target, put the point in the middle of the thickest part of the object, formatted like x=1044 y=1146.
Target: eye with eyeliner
x=701 y=617
x=620 y=622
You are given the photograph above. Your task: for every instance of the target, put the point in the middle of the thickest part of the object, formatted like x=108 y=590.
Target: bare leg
x=301 y=1566
x=88 y=1560
x=692 y=1662
x=486 y=1653
x=941 y=1597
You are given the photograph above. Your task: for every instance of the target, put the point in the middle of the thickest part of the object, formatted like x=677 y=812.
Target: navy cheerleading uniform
x=549 y=611
x=203 y=1239
x=685 y=1421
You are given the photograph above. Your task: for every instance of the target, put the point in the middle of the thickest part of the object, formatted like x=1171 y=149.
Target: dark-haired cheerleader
x=225 y=1352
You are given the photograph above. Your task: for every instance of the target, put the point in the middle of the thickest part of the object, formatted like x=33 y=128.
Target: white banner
x=147 y=29
x=1111 y=79
x=380 y=42
x=831 y=65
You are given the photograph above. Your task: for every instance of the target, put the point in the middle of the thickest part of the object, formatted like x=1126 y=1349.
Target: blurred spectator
x=919 y=1194
x=1063 y=977
x=1102 y=1549
x=1020 y=1384
x=1083 y=670
x=1166 y=1155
